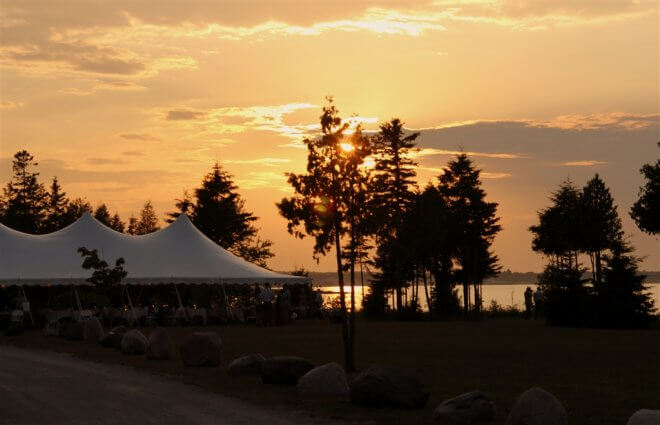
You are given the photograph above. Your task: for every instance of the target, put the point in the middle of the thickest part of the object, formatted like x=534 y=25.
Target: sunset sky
x=132 y=100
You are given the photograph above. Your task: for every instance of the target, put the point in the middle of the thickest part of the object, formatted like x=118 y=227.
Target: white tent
x=179 y=253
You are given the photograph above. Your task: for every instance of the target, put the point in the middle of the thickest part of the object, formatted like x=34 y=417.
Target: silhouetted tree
x=218 y=211
x=102 y=214
x=75 y=209
x=322 y=201
x=601 y=226
x=646 y=211
x=132 y=225
x=103 y=277
x=477 y=223
x=56 y=209
x=148 y=222
x=25 y=197
x=117 y=224
x=393 y=192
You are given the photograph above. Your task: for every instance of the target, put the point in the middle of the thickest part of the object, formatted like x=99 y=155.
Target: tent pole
x=29 y=312
x=75 y=292
x=178 y=297
x=130 y=305
x=227 y=309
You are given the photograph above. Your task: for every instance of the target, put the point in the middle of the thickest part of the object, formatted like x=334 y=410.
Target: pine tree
x=102 y=214
x=116 y=223
x=132 y=226
x=477 y=222
x=148 y=222
x=393 y=186
x=56 y=209
x=25 y=197
x=75 y=209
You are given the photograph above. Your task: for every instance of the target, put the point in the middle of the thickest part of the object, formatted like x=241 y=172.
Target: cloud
x=105 y=161
x=589 y=163
x=269 y=162
x=8 y=104
x=145 y=137
x=433 y=151
x=263 y=179
x=487 y=175
x=183 y=115
x=133 y=153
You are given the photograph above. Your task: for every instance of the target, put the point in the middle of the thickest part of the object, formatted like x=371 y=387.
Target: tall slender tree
x=102 y=214
x=393 y=186
x=56 y=207
x=148 y=222
x=117 y=224
x=324 y=195
x=25 y=197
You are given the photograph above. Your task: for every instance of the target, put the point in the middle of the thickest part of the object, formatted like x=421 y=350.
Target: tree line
x=216 y=208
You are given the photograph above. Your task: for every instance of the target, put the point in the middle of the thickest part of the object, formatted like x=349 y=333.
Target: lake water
x=505 y=294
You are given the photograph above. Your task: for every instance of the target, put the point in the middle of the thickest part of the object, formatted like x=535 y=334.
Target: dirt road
x=49 y=388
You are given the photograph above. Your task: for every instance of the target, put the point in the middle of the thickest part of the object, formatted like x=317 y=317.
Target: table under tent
x=175 y=261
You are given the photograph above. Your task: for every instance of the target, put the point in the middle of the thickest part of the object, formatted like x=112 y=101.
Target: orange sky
x=132 y=100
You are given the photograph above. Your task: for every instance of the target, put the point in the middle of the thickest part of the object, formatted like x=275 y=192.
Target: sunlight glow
x=346 y=147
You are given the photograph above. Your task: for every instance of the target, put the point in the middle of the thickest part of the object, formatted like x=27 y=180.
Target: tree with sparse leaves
x=25 y=198
x=102 y=214
x=103 y=277
x=148 y=221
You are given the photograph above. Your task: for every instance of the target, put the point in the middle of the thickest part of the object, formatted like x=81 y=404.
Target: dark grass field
x=601 y=376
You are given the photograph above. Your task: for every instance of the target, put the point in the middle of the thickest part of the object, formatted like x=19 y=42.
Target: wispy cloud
x=183 y=115
x=269 y=162
x=433 y=151
x=105 y=161
x=8 y=104
x=589 y=163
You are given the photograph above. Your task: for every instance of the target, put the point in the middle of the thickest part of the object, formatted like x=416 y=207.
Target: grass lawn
x=601 y=376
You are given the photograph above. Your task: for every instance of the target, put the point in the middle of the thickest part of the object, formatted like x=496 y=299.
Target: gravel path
x=50 y=388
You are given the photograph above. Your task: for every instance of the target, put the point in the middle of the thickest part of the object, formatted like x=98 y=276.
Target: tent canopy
x=179 y=253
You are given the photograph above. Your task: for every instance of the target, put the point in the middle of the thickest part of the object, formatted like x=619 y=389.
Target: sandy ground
x=51 y=388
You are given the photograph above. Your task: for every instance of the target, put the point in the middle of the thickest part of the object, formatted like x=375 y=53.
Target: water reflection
x=505 y=295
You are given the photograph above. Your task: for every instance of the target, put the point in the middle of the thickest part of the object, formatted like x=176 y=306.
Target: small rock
x=536 y=406
x=284 y=370
x=92 y=330
x=161 y=346
x=133 y=342
x=645 y=417
x=327 y=380
x=473 y=408
x=202 y=349
x=388 y=387
x=113 y=338
x=246 y=365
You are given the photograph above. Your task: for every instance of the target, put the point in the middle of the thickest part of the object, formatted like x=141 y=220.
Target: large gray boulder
x=202 y=349
x=160 y=346
x=134 y=343
x=246 y=365
x=92 y=330
x=113 y=338
x=645 y=417
x=284 y=370
x=71 y=330
x=326 y=380
x=381 y=386
x=536 y=406
x=473 y=408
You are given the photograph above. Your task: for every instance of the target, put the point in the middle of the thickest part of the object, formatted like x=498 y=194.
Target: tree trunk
x=598 y=270
x=426 y=293
x=348 y=352
x=351 y=331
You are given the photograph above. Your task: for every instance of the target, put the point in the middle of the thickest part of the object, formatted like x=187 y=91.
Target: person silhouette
x=528 y=303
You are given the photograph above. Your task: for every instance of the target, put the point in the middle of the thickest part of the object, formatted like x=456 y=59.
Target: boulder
x=645 y=417
x=202 y=349
x=92 y=330
x=388 y=387
x=284 y=370
x=52 y=328
x=326 y=380
x=71 y=330
x=113 y=338
x=536 y=406
x=473 y=408
x=133 y=342
x=246 y=365
x=161 y=346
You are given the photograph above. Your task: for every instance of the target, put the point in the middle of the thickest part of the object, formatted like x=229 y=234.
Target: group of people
x=288 y=304
x=533 y=303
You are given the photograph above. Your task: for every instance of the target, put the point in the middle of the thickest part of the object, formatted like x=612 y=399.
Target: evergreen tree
x=56 y=208
x=646 y=211
x=183 y=206
x=103 y=277
x=393 y=186
x=116 y=223
x=148 y=222
x=476 y=220
x=102 y=214
x=75 y=209
x=132 y=226
x=254 y=250
x=25 y=197
x=601 y=226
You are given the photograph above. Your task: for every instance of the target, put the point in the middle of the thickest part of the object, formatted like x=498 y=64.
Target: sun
x=346 y=147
